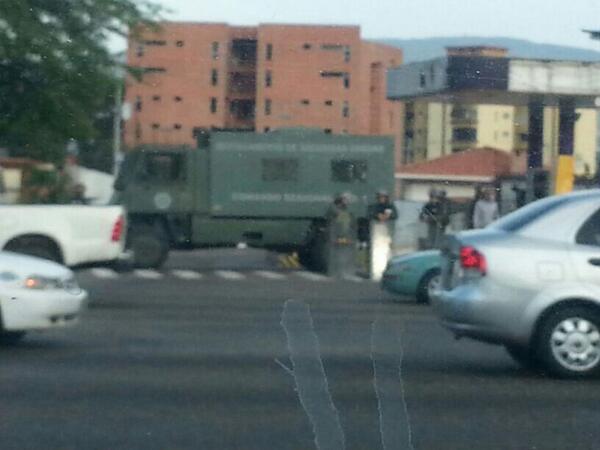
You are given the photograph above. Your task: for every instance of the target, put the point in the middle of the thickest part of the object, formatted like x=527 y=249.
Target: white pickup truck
x=68 y=234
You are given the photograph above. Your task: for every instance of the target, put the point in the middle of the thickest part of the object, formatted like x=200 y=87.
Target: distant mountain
x=429 y=48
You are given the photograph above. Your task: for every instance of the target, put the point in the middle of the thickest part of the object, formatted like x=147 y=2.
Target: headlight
x=40 y=282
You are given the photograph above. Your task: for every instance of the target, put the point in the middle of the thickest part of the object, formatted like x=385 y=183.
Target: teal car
x=415 y=274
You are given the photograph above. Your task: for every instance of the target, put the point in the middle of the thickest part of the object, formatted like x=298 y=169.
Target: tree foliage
x=56 y=71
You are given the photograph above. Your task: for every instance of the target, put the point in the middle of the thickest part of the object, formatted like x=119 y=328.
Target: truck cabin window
x=279 y=169
x=163 y=168
x=349 y=171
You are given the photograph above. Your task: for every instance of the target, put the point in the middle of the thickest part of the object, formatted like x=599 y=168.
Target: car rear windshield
x=528 y=214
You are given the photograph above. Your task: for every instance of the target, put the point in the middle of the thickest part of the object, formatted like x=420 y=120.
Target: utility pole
x=595 y=35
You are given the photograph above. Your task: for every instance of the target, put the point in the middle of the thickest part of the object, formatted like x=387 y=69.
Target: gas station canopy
x=497 y=80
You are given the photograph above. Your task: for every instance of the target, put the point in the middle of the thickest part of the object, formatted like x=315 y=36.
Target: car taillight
x=117 y=230
x=470 y=258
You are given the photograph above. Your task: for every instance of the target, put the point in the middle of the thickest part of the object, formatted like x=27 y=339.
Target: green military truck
x=266 y=190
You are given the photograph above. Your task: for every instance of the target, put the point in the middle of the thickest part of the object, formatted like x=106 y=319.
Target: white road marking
x=230 y=275
x=394 y=420
x=309 y=376
x=148 y=274
x=270 y=275
x=312 y=276
x=104 y=273
x=187 y=274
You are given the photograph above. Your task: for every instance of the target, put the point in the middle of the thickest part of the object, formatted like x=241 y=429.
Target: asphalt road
x=224 y=350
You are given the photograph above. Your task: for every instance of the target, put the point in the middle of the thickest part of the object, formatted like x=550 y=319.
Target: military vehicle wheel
x=314 y=255
x=150 y=247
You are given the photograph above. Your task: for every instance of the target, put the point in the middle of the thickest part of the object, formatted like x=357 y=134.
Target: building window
x=154 y=70
x=177 y=126
x=215 y=50
x=268 y=107
x=347 y=81
x=327 y=130
x=307 y=46
x=155 y=126
x=213 y=105
x=139 y=51
x=280 y=169
x=179 y=43
x=268 y=78
x=333 y=47
x=347 y=53
x=138 y=131
x=138 y=103
x=348 y=171
x=305 y=101
x=269 y=52
x=329 y=74
x=214 y=77
x=422 y=79
x=156 y=98
x=464 y=134
x=346 y=110
x=328 y=102
x=178 y=98
x=155 y=43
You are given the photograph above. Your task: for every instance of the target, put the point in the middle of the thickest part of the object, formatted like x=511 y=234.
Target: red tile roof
x=477 y=162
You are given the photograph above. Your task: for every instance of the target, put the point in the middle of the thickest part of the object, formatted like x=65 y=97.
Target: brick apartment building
x=215 y=76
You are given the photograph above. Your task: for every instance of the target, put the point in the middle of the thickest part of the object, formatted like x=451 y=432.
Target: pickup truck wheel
x=568 y=342
x=150 y=248
x=11 y=337
x=35 y=246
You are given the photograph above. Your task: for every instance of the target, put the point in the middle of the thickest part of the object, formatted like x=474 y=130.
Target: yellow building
x=438 y=129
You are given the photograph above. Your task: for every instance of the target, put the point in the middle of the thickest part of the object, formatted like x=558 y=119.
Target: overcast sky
x=547 y=21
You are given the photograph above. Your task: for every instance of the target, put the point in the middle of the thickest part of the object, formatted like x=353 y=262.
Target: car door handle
x=594 y=261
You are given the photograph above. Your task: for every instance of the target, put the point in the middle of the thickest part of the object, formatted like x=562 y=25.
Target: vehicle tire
x=314 y=255
x=428 y=283
x=39 y=247
x=11 y=337
x=568 y=342
x=150 y=247
x=522 y=356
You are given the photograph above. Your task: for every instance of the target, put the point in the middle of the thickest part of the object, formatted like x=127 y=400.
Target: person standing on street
x=486 y=209
x=341 y=233
x=382 y=215
x=436 y=214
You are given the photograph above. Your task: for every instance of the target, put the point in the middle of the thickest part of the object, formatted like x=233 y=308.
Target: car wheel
x=569 y=342
x=522 y=356
x=150 y=248
x=11 y=337
x=428 y=284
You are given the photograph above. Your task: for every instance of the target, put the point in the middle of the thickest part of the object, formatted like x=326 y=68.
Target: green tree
x=56 y=71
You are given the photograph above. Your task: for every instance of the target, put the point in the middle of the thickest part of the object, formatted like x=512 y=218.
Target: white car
x=36 y=294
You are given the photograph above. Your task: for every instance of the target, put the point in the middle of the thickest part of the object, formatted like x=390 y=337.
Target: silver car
x=531 y=282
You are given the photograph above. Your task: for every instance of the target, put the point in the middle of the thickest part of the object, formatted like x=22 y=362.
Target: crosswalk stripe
x=270 y=275
x=312 y=276
x=187 y=274
x=148 y=274
x=229 y=275
x=104 y=273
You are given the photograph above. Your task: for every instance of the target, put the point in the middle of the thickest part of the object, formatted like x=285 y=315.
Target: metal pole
x=117 y=156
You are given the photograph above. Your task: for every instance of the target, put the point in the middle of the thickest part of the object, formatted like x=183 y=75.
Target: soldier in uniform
x=382 y=215
x=341 y=237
